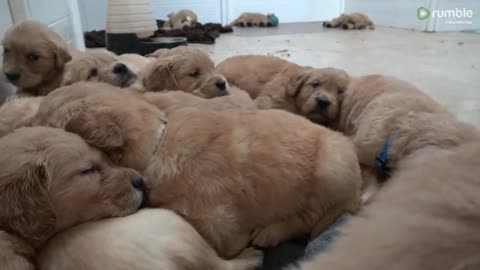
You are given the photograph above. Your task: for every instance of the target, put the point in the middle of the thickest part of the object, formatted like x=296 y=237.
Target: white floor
x=445 y=65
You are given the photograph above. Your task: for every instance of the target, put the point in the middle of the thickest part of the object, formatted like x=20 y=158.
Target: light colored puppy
x=237 y=168
x=425 y=218
x=18 y=112
x=181 y=19
x=183 y=68
x=90 y=66
x=149 y=239
x=355 y=20
x=275 y=83
x=52 y=180
x=34 y=58
x=175 y=100
x=250 y=19
x=15 y=253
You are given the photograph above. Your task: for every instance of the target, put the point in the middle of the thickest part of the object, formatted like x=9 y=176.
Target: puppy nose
x=221 y=84
x=12 y=76
x=138 y=183
x=323 y=102
x=120 y=69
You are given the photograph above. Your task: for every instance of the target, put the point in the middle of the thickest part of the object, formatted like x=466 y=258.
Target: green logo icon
x=423 y=13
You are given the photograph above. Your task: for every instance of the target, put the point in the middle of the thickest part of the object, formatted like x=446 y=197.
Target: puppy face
x=183 y=68
x=125 y=126
x=56 y=181
x=318 y=93
x=33 y=54
x=216 y=86
x=118 y=74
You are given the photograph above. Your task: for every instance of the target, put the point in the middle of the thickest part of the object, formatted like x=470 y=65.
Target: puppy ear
x=97 y=128
x=296 y=83
x=25 y=207
x=62 y=56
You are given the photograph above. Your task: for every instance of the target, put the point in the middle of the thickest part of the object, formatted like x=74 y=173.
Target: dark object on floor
x=199 y=33
x=277 y=258
x=94 y=39
x=130 y=43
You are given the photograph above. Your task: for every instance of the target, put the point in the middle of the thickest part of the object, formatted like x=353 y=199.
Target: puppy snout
x=138 y=183
x=221 y=84
x=120 y=69
x=12 y=76
x=323 y=102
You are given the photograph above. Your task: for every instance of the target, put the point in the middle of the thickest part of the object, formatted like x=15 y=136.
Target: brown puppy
x=426 y=218
x=181 y=19
x=250 y=19
x=275 y=83
x=350 y=21
x=18 y=112
x=175 y=100
x=51 y=180
x=34 y=58
x=237 y=168
x=384 y=114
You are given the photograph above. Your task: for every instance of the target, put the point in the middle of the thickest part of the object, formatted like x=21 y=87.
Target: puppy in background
x=425 y=218
x=34 y=57
x=181 y=19
x=52 y=180
x=350 y=21
x=275 y=83
x=251 y=19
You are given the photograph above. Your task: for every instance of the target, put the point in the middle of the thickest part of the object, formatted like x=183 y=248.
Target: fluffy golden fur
x=90 y=66
x=275 y=83
x=149 y=239
x=425 y=218
x=15 y=254
x=175 y=100
x=18 y=112
x=238 y=177
x=34 y=58
x=374 y=107
x=51 y=180
x=181 y=19
x=350 y=21
x=250 y=19
x=183 y=68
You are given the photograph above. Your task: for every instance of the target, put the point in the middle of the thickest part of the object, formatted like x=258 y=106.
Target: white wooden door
x=61 y=15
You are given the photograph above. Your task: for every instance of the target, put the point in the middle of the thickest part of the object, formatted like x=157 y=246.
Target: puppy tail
x=249 y=259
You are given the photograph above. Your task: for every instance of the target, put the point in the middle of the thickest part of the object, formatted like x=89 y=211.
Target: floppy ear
x=24 y=205
x=62 y=55
x=296 y=83
x=159 y=74
x=98 y=128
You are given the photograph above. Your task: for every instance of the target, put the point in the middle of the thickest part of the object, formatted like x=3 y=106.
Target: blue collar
x=381 y=160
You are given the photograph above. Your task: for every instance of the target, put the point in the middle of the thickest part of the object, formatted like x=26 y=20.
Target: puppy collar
x=381 y=163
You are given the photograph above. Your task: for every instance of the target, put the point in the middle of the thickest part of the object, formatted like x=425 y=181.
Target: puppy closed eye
x=315 y=84
x=93 y=73
x=32 y=57
x=195 y=73
x=91 y=169
x=341 y=91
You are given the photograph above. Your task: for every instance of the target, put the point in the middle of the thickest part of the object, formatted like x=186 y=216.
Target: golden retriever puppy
x=389 y=119
x=175 y=100
x=91 y=66
x=275 y=83
x=355 y=20
x=149 y=239
x=52 y=180
x=250 y=19
x=18 y=112
x=426 y=218
x=181 y=19
x=185 y=69
x=34 y=57
x=250 y=176
x=15 y=253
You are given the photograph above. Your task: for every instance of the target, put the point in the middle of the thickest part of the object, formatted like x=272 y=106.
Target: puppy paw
x=252 y=257
x=241 y=24
x=345 y=26
x=267 y=237
x=262 y=24
x=249 y=24
x=327 y=24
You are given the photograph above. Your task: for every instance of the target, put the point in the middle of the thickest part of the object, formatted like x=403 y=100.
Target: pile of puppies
x=225 y=159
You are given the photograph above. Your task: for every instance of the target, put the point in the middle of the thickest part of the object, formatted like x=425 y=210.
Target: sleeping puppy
x=350 y=21
x=275 y=83
x=34 y=57
x=250 y=19
x=149 y=239
x=185 y=69
x=15 y=253
x=175 y=100
x=90 y=66
x=52 y=180
x=389 y=119
x=229 y=173
x=425 y=218
x=18 y=112
x=181 y=19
